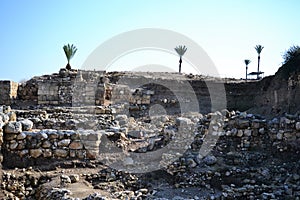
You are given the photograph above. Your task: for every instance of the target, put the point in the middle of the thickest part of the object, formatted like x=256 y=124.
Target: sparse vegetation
x=180 y=51
x=291 y=62
x=70 y=51
x=292 y=53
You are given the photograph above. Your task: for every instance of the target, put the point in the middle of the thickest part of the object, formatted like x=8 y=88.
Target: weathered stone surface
x=26 y=124
x=61 y=153
x=13 y=145
x=46 y=144
x=76 y=145
x=135 y=134
x=35 y=153
x=12 y=116
x=4 y=117
x=240 y=133
x=181 y=121
x=21 y=136
x=47 y=153
x=74 y=178
x=247 y=132
x=210 y=160
x=23 y=152
x=64 y=143
x=13 y=127
x=9 y=136
x=65 y=179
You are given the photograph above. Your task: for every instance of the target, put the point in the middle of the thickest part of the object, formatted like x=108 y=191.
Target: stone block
x=35 y=153
x=26 y=124
x=13 y=128
x=64 y=143
x=77 y=144
x=61 y=153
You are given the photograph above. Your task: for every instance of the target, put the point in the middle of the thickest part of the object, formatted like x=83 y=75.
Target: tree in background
x=247 y=62
x=180 y=51
x=292 y=53
x=70 y=51
x=258 y=49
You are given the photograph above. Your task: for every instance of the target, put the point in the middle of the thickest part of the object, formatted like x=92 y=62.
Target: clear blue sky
x=33 y=32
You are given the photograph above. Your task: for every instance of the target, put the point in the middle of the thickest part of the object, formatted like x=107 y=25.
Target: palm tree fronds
x=258 y=49
x=180 y=50
x=70 y=51
x=247 y=62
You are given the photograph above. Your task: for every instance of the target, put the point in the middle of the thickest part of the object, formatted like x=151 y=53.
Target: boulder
x=12 y=116
x=4 y=117
x=13 y=128
x=47 y=153
x=6 y=109
x=26 y=124
x=35 y=153
x=64 y=143
x=76 y=145
x=61 y=153
x=65 y=179
x=74 y=178
x=181 y=121
x=21 y=136
x=135 y=134
x=210 y=160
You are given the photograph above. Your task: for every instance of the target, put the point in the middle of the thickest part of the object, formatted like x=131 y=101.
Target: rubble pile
x=221 y=155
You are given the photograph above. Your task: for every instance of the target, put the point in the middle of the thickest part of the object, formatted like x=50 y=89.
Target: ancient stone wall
x=49 y=145
x=22 y=144
x=269 y=96
x=8 y=92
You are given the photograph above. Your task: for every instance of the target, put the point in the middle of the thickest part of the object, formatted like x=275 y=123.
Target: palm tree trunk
x=180 y=61
x=246 y=72
x=258 y=67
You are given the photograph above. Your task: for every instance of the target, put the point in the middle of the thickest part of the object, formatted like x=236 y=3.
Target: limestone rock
x=76 y=145
x=46 y=144
x=13 y=127
x=12 y=116
x=47 y=153
x=26 y=125
x=21 y=136
x=6 y=109
x=240 y=133
x=135 y=134
x=61 y=153
x=64 y=143
x=13 y=145
x=35 y=153
x=210 y=160
x=247 y=132
x=181 y=121
x=74 y=178
x=4 y=117
x=65 y=179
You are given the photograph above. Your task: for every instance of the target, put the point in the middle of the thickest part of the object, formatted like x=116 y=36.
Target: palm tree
x=247 y=62
x=180 y=51
x=70 y=51
x=258 y=49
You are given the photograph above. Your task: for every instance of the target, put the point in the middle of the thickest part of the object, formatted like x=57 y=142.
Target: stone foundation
x=46 y=146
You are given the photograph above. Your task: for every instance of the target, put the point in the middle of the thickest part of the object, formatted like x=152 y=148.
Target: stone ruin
x=68 y=118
